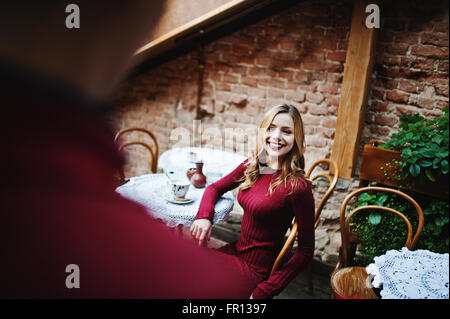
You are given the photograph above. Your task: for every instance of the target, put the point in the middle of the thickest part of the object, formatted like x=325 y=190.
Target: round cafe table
x=405 y=274
x=152 y=191
x=216 y=163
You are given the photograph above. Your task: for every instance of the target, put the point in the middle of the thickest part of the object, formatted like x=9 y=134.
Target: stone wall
x=296 y=56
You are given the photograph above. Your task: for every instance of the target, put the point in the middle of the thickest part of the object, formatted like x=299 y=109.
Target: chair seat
x=351 y=282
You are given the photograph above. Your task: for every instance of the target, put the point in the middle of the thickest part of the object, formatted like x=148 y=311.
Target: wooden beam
x=197 y=25
x=191 y=24
x=354 y=91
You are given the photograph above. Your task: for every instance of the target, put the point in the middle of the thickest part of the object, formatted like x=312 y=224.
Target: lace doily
x=152 y=190
x=405 y=274
x=215 y=161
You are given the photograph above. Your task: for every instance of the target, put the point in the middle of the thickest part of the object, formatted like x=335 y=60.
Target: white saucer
x=173 y=201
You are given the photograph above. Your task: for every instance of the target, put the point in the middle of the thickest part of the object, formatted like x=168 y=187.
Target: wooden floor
x=298 y=288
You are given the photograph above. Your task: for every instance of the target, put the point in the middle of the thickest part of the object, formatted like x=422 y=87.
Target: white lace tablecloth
x=152 y=190
x=216 y=163
x=405 y=274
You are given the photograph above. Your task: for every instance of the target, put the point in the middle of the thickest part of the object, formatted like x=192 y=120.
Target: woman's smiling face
x=279 y=137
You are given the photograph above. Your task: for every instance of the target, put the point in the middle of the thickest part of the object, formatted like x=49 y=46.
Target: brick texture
x=411 y=70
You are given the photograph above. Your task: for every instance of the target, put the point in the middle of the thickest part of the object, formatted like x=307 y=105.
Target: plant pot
x=379 y=165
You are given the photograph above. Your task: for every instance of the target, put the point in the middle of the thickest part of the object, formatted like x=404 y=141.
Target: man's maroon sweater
x=58 y=207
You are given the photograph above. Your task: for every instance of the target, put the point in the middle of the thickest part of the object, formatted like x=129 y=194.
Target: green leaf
x=363 y=203
x=437 y=139
x=426 y=163
x=414 y=169
x=436 y=162
x=444 y=167
x=380 y=201
x=442 y=154
x=374 y=218
x=437 y=221
x=406 y=152
x=364 y=197
x=430 y=174
x=405 y=173
x=428 y=153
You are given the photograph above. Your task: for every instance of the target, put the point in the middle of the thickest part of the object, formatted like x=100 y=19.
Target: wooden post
x=354 y=92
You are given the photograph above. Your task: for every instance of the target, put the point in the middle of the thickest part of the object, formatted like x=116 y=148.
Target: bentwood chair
x=293 y=231
x=350 y=282
x=152 y=150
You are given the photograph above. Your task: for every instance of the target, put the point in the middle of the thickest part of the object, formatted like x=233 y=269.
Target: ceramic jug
x=190 y=172
x=198 y=179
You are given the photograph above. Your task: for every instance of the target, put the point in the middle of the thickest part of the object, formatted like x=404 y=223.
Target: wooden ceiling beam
x=198 y=26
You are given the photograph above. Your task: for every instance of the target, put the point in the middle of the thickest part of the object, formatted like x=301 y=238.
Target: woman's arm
x=214 y=191
x=303 y=205
x=202 y=226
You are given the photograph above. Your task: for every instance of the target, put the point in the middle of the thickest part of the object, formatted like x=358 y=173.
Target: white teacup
x=179 y=188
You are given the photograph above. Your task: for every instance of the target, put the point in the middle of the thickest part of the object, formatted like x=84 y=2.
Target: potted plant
x=414 y=158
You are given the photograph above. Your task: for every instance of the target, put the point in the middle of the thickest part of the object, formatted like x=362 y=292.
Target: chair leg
x=310 y=281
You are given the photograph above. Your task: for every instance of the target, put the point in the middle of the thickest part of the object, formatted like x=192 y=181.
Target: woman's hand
x=201 y=229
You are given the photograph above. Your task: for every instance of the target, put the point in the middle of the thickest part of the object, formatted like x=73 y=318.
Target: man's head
x=92 y=58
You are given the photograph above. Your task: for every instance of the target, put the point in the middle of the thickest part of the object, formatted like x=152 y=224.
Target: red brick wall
x=411 y=70
x=296 y=56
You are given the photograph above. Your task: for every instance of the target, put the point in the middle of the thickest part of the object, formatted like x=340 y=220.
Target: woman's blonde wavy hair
x=293 y=163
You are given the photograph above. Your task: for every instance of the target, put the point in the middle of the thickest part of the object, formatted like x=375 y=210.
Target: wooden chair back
x=287 y=247
x=289 y=241
x=154 y=151
x=349 y=239
x=332 y=179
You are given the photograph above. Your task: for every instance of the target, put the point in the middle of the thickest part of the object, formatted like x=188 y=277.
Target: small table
x=405 y=274
x=216 y=163
x=152 y=191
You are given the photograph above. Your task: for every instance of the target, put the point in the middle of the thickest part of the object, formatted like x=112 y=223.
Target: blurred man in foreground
x=59 y=211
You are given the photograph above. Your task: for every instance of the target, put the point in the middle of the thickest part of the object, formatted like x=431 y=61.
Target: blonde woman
x=272 y=190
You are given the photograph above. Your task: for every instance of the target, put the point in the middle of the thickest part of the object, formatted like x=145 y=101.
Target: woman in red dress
x=272 y=190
